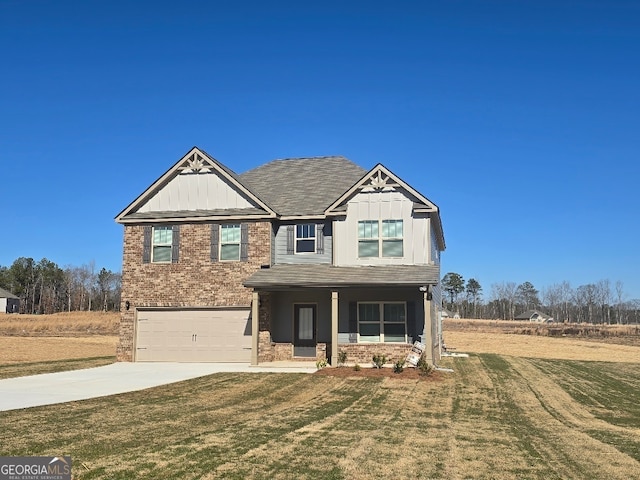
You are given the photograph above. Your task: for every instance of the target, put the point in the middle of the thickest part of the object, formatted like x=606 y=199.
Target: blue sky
x=519 y=119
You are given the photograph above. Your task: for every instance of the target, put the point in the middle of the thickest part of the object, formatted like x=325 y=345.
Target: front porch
x=334 y=324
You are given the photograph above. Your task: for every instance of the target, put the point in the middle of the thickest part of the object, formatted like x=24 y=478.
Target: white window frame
x=369 y=239
x=166 y=244
x=306 y=236
x=223 y=243
x=394 y=239
x=380 y=238
x=382 y=321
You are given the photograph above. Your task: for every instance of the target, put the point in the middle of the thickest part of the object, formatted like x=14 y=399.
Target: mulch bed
x=406 y=374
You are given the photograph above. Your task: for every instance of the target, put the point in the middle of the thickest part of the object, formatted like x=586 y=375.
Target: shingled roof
x=285 y=275
x=5 y=294
x=302 y=186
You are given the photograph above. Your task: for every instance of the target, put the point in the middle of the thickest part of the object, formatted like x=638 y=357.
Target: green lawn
x=496 y=417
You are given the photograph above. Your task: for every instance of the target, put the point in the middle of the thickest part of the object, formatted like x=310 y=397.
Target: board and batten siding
x=281 y=255
x=392 y=205
x=196 y=191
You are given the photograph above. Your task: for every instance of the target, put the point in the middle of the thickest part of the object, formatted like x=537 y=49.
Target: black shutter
x=146 y=244
x=215 y=240
x=175 y=244
x=320 y=238
x=244 y=242
x=412 y=333
x=290 y=240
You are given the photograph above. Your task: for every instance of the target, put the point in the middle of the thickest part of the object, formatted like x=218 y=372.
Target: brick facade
x=194 y=281
x=362 y=353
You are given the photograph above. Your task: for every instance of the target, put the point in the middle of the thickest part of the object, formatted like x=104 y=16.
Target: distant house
x=534 y=316
x=9 y=303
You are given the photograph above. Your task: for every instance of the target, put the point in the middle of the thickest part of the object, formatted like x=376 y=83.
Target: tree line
x=43 y=287
x=599 y=302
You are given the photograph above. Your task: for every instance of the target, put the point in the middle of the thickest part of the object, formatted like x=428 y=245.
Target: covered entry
x=193 y=335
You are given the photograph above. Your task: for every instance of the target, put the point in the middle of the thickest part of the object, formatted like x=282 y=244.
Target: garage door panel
x=194 y=335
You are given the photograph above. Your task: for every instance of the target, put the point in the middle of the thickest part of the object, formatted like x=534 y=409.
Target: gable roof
x=309 y=187
x=381 y=178
x=302 y=186
x=6 y=294
x=195 y=161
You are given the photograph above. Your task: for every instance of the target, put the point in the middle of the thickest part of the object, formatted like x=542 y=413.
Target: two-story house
x=296 y=259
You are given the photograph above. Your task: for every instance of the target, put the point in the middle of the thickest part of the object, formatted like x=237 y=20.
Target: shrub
x=320 y=364
x=379 y=360
x=424 y=367
x=398 y=366
x=356 y=367
x=342 y=358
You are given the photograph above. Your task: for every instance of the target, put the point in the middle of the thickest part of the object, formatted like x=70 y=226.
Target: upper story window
x=305 y=239
x=392 y=238
x=162 y=244
x=371 y=243
x=230 y=242
x=382 y=322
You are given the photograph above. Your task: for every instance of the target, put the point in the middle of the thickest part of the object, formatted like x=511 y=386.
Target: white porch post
x=428 y=331
x=255 y=324
x=334 y=329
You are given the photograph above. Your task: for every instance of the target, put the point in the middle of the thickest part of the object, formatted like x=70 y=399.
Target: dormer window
x=305 y=240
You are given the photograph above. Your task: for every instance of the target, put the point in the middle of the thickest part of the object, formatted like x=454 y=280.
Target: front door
x=304 y=331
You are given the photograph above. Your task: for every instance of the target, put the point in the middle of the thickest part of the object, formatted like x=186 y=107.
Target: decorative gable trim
x=195 y=162
x=379 y=178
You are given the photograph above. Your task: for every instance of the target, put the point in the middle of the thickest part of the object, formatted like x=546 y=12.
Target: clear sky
x=519 y=119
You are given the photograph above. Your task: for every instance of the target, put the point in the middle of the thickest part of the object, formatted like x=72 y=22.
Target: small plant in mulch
x=320 y=364
x=342 y=358
x=357 y=367
x=379 y=360
x=424 y=367
x=398 y=366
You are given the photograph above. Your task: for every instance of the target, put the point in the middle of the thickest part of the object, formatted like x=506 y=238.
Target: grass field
x=501 y=415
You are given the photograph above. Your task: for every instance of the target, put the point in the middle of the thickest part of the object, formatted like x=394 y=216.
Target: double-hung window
x=162 y=242
x=376 y=237
x=305 y=240
x=392 y=238
x=368 y=240
x=382 y=322
x=230 y=242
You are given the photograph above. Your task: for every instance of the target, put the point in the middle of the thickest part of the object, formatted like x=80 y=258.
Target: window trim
x=168 y=244
x=380 y=238
x=223 y=243
x=296 y=238
x=382 y=322
x=384 y=239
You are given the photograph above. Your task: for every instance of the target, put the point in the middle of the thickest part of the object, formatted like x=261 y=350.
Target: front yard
x=495 y=417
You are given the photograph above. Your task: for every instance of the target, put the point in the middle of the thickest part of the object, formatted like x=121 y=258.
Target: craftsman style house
x=296 y=259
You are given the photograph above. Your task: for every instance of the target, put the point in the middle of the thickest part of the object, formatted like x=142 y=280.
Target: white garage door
x=193 y=336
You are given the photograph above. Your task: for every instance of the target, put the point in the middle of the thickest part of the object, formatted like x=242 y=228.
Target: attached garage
x=193 y=335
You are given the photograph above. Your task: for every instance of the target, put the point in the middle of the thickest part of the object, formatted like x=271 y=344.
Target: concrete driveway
x=122 y=377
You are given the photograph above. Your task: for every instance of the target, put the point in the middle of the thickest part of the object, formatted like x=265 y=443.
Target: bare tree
x=619 y=301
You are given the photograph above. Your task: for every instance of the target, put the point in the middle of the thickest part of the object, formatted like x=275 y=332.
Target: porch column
x=255 y=324
x=428 y=331
x=334 y=329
